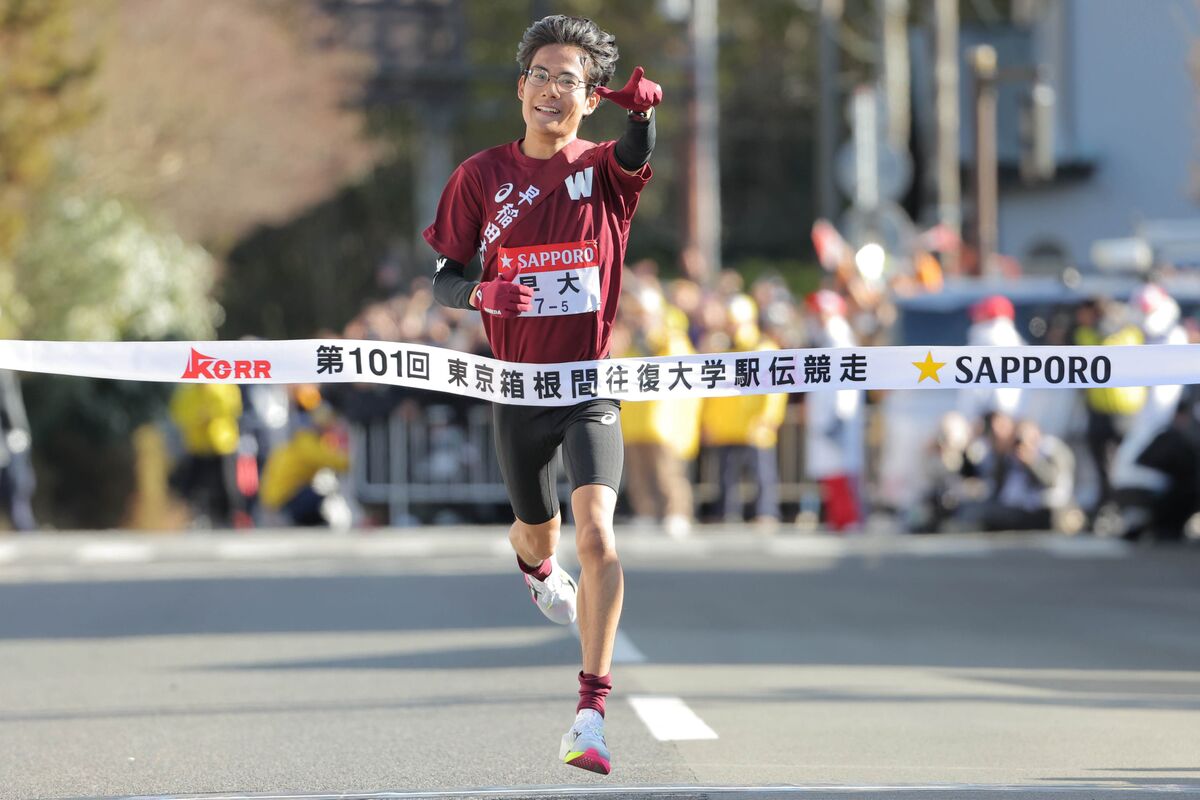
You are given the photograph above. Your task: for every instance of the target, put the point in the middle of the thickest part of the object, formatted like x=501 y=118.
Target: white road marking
x=625 y=651
x=669 y=719
x=392 y=547
x=807 y=547
x=252 y=550
x=113 y=552
x=1085 y=547
x=8 y=552
x=947 y=546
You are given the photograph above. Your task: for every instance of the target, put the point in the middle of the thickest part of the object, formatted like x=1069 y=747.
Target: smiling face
x=552 y=116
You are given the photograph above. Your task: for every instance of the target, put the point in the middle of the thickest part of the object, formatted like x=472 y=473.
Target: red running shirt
x=569 y=248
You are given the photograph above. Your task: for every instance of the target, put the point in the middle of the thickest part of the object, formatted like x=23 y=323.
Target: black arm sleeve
x=450 y=286
x=634 y=148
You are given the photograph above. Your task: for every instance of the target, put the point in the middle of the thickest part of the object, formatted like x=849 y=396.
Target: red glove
x=503 y=298
x=638 y=95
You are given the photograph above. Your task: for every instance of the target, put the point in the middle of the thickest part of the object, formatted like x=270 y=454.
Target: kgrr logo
x=201 y=366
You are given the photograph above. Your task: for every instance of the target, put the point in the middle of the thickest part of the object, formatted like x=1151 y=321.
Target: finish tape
x=437 y=369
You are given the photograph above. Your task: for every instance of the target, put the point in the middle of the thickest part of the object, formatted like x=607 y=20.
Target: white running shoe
x=555 y=596
x=583 y=746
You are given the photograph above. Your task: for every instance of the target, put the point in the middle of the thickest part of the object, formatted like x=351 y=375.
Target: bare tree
x=223 y=115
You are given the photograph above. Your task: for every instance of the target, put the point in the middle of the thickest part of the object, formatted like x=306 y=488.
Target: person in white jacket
x=992 y=325
x=1158 y=316
x=834 y=438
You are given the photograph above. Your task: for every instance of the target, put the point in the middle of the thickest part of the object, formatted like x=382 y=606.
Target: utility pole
x=949 y=190
x=828 y=65
x=419 y=50
x=702 y=239
x=983 y=65
x=893 y=22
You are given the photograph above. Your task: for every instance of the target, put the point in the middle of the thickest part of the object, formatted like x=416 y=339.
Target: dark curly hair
x=599 y=46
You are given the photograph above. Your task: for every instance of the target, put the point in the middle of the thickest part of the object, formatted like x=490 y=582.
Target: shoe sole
x=589 y=759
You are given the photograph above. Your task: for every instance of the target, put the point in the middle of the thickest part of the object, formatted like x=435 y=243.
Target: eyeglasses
x=566 y=82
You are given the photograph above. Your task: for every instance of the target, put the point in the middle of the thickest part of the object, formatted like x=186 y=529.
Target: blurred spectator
x=660 y=435
x=834 y=435
x=290 y=484
x=777 y=315
x=1175 y=454
x=1110 y=409
x=206 y=415
x=943 y=466
x=992 y=325
x=17 y=481
x=1028 y=475
x=1136 y=486
x=689 y=299
x=263 y=427
x=744 y=431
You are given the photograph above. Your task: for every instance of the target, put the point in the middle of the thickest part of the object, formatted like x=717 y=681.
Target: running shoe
x=555 y=596
x=583 y=746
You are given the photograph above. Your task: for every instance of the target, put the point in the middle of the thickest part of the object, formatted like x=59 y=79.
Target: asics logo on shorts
x=608 y=419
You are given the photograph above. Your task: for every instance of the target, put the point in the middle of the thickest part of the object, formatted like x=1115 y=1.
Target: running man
x=549 y=215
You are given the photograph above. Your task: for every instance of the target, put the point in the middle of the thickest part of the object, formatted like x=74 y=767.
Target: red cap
x=1149 y=298
x=827 y=301
x=992 y=307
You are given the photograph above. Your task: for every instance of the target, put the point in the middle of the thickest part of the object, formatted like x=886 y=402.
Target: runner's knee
x=595 y=544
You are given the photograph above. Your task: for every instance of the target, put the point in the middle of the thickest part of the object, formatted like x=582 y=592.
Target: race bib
x=565 y=277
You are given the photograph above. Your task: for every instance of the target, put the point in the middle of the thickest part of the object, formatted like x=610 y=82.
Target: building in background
x=1125 y=121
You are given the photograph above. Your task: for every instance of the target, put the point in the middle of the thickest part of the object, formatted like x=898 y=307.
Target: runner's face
x=549 y=111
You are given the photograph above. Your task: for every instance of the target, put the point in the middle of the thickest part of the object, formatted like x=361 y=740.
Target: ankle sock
x=592 y=691
x=541 y=571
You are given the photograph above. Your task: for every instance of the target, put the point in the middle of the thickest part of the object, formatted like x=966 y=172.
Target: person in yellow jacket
x=288 y=477
x=744 y=430
x=1110 y=409
x=660 y=436
x=206 y=415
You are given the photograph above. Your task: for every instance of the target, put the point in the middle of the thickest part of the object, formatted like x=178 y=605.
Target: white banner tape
x=703 y=375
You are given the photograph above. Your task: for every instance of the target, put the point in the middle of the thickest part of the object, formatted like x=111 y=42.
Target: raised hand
x=639 y=94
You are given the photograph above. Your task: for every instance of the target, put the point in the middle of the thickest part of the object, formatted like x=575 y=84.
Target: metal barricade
x=435 y=460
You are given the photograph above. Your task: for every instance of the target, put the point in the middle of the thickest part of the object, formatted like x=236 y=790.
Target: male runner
x=549 y=215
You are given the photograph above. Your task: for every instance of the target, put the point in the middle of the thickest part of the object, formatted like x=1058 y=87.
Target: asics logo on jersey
x=580 y=184
x=503 y=192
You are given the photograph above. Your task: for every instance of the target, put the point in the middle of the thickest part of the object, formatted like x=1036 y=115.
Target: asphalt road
x=412 y=664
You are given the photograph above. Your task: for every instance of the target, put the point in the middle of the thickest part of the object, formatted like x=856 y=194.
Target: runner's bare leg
x=601 y=581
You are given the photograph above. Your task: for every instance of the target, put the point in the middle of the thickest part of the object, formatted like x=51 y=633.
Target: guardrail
x=445 y=458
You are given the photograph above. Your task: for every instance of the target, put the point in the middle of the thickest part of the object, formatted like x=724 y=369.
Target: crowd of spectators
x=987 y=466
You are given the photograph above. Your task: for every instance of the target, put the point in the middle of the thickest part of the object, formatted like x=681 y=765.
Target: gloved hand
x=503 y=298
x=640 y=94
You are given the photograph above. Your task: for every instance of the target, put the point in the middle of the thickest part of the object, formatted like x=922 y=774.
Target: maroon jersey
x=558 y=225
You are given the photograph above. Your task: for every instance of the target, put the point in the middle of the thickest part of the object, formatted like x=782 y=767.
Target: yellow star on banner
x=929 y=368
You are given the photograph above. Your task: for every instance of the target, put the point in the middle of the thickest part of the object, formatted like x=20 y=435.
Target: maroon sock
x=592 y=691
x=541 y=571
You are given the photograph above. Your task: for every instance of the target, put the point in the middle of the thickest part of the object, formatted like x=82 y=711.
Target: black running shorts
x=527 y=438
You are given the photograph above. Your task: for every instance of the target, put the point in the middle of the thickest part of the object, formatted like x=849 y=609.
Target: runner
x=549 y=215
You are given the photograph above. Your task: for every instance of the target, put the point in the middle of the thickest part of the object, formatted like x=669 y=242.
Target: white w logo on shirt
x=580 y=184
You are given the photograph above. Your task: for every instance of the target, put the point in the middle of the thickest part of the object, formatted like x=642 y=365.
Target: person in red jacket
x=549 y=217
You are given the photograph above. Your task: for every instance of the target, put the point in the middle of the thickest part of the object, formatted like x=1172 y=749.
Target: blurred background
x=828 y=173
